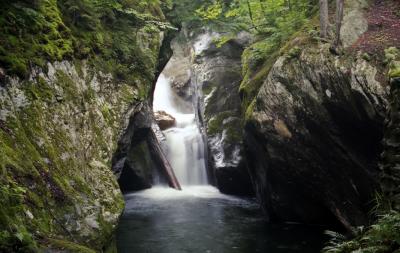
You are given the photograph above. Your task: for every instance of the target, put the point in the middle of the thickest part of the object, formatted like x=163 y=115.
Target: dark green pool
x=200 y=219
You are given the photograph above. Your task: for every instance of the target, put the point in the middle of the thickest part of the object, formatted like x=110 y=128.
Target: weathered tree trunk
x=323 y=17
x=165 y=166
x=338 y=21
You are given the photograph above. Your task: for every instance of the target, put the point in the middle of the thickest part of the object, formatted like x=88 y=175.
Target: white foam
x=193 y=191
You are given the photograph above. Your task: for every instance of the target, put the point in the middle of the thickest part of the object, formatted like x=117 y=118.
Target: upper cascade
x=185 y=144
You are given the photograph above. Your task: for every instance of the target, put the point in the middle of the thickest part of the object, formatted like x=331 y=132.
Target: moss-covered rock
x=68 y=84
x=308 y=128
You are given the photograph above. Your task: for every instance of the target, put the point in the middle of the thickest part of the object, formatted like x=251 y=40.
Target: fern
x=382 y=237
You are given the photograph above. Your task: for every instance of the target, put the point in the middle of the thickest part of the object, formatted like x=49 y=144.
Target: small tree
x=338 y=20
x=323 y=17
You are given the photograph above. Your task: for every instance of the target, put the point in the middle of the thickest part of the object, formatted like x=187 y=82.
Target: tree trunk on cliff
x=338 y=21
x=323 y=18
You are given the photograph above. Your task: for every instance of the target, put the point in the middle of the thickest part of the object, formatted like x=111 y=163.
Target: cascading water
x=199 y=218
x=184 y=141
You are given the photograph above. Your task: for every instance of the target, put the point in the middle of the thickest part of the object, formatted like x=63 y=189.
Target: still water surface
x=201 y=220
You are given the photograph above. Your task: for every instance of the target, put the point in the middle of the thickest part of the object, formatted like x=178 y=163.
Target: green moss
x=128 y=94
x=106 y=111
x=259 y=58
x=32 y=33
x=107 y=34
x=366 y=56
x=250 y=110
x=232 y=128
x=68 y=246
x=395 y=71
x=14 y=235
x=112 y=247
x=391 y=54
x=37 y=142
x=392 y=58
x=254 y=78
x=294 y=52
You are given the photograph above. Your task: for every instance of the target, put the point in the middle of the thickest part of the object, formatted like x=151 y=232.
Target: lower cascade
x=185 y=145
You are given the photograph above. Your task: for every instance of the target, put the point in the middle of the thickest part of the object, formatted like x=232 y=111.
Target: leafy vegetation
x=15 y=237
x=271 y=23
x=382 y=237
x=107 y=32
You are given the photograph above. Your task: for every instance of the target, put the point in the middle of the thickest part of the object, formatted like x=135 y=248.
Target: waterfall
x=185 y=144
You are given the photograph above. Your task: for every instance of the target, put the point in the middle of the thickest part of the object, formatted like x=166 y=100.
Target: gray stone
x=313 y=140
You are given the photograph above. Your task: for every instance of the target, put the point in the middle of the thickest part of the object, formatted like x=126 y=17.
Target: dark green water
x=200 y=219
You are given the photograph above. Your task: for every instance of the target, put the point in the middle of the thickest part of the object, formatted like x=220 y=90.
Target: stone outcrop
x=178 y=69
x=132 y=161
x=139 y=160
x=313 y=138
x=164 y=120
x=60 y=127
x=58 y=132
x=217 y=76
x=209 y=76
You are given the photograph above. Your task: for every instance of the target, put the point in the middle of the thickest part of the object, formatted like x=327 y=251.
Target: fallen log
x=164 y=165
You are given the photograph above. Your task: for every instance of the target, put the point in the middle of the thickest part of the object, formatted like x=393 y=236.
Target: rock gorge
x=302 y=133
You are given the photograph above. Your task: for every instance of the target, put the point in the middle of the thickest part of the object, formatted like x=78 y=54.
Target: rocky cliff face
x=210 y=76
x=314 y=138
x=58 y=132
x=313 y=132
x=60 y=127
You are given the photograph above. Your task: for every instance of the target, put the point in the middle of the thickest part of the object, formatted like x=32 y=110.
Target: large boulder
x=164 y=120
x=313 y=138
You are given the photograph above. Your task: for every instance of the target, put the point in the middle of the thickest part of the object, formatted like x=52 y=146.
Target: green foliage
x=184 y=11
x=211 y=12
x=265 y=17
x=272 y=23
x=382 y=237
x=13 y=237
x=216 y=125
x=392 y=58
x=68 y=246
x=220 y=41
x=294 y=52
x=107 y=32
x=391 y=54
x=30 y=34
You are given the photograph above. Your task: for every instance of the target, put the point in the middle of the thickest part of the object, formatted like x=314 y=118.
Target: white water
x=184 y=141
x=197 y=191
